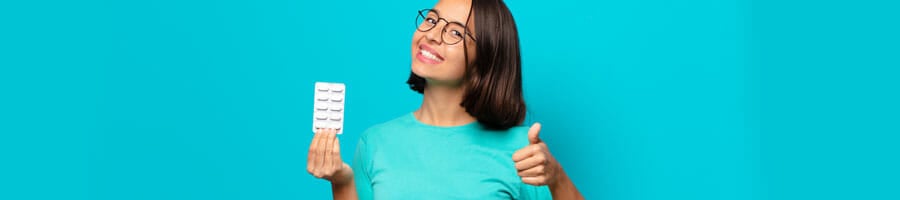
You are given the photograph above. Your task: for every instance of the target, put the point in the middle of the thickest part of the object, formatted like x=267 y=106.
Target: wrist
x=343 y=177
x=341 y=182
x=560 y=178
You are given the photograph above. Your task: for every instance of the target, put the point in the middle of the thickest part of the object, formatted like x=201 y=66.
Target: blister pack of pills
x=328 y=111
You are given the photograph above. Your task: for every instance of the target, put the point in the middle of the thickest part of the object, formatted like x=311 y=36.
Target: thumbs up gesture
x=534 y=162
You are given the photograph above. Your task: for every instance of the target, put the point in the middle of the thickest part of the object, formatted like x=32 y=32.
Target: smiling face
x=432 y=57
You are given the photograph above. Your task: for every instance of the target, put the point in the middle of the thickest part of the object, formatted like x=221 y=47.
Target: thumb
x=533 y=133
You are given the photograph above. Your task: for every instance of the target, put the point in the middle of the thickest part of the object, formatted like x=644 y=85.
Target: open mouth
x=428 y=55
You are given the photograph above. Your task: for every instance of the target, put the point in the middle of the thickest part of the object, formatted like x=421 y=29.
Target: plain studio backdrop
x=647 y=99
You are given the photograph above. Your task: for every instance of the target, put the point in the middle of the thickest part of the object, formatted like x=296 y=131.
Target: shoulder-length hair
x=493 y=81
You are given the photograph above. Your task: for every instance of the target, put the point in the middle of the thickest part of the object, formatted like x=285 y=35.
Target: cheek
x=415 y=39
x=460 y=60
x=457 y=61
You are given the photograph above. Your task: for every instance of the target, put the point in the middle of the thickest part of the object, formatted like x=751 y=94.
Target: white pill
x=337 y=88
x=337 y=98
x=322 y=87
x=335 y=117
x=322 y=97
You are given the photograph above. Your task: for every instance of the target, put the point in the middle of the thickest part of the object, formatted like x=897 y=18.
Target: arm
x=563 y=188
x=346 y=190
x=324 y=161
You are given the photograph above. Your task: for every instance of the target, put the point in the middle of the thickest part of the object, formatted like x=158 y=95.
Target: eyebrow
x=438 y=13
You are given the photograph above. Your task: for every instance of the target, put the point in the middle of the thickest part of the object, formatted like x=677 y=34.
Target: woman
x=465 y=141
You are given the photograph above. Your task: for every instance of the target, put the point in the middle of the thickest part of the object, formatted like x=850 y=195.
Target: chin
x=417 y=69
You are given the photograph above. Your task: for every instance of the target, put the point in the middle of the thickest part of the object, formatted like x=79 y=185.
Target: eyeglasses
x=451 y=34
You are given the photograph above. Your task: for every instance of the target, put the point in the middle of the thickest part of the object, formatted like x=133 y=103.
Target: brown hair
x=493 y=93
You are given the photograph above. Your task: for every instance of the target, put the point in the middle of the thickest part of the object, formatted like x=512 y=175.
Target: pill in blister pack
x=328 y=110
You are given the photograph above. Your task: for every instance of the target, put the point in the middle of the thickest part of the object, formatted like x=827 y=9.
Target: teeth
x=429 y=55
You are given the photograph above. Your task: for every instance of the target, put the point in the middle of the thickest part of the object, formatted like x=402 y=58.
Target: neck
x=441 y=107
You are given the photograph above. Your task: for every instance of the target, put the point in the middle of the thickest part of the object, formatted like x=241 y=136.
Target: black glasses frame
x=422 y=15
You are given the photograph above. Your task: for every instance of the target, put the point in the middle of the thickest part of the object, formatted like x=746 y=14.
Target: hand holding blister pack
x=328 y=111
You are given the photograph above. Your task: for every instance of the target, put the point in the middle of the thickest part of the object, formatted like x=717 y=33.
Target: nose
x=434 y=35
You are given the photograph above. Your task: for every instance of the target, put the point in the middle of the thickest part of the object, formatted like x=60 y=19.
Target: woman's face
x=434 y=59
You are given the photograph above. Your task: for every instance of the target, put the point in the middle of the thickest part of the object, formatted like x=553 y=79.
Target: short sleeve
x=361 y=167
x=530 y=192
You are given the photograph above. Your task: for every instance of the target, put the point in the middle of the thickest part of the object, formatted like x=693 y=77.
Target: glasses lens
x=454 y=33
x=426 y=20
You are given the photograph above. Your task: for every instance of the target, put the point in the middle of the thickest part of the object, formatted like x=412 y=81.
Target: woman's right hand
x=324 y=159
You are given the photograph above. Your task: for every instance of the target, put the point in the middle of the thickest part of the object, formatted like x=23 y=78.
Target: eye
x=431 y=20
x=456 y=33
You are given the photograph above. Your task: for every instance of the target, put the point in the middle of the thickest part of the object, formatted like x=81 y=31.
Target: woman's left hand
x=535 y=164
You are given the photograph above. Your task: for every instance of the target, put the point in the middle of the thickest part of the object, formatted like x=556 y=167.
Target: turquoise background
x=646 y=99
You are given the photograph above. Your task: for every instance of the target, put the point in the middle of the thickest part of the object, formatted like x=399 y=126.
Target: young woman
x=466 y=140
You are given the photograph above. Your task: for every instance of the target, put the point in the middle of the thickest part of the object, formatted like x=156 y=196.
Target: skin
x=324 y=161
x=441 y=107
x=445 y=89
x=537 y=167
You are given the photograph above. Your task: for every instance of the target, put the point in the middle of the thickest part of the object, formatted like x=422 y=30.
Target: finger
x=523 y=153
x=312 y=156
x=533 y=133
x=536 y=181
x=336 y=153
x=530 y=162
x=320 y=149
x=329 y=144
x=532 y=172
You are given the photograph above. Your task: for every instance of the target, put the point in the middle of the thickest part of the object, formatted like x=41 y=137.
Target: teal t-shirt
x=406 y=159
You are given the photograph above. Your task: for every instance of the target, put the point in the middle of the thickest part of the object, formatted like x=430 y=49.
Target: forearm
x=563 y=188
x=344 y=191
